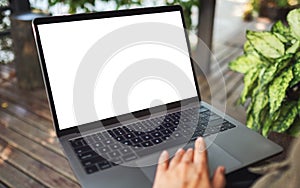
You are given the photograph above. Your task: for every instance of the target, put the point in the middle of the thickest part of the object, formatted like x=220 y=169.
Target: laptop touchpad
x=216 y=156
x=219 y=157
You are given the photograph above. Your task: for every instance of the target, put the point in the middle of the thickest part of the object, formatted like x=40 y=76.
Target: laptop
x=122 y=88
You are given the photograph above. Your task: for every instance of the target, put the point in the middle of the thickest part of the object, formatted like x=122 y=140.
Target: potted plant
x=271 y=68
x=273 y=9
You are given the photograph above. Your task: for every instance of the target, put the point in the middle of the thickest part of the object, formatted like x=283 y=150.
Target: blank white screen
x=65 y=44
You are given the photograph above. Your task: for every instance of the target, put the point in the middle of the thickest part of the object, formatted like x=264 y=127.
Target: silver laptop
x=122 y=87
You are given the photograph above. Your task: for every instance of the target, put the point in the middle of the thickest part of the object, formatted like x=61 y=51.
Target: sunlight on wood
x=52 y=133
x=6 y=153
x=52 y=137
x=51 y=140
x=4 y=105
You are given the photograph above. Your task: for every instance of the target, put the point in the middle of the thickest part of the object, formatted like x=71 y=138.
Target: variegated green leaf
x=296 y=73
x=251 y=123
x=267 y=75
x=266 y=43
x=249 y=49
x=280 y=28
x=261 y=101
x=249 y=80
x=293 y=19
x=267 y=125
x=245 y=63
x=281 y=37
x=277 y=89
x=288 y=113
x=294 y=48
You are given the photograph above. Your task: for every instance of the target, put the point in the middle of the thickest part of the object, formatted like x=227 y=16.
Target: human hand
x=188 y=169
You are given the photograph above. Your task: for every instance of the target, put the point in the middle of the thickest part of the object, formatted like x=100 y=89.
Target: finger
x=188 y=156
x=200 y=155
x=198 y=150
x=163 y=162
x=219 y=180
x=177 y=158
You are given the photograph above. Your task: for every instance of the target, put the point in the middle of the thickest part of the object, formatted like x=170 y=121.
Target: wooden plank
x=233 y=87
x=27 y=116
x=2 y=145
x=38 y=95
x=34 y=105
x=47 y=139
x=12 y=177
x=38 y=152
x=233 y=98
x=36 y=169
x=230 y=84
x=218 y=74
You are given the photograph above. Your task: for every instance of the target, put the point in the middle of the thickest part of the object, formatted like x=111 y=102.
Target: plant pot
x=274 y=12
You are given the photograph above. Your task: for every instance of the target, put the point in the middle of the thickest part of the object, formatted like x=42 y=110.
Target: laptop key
x=87 y=155
x=82 y=149
x=146 y=137
x=114 y=154
x=136 y=140
x=104 y=165
x=115 y=146
x=129 y=157
x=126 y=142
x=129 y=136
x=125 y=150
x=147 y=144
x=77 y=143
x=119 y=138
x=104 y=150
x=92 y=161
x=157 y=141
x=116 y=161
x=91 y=169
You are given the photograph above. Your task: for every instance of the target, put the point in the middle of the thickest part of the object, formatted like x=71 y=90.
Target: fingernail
x=199 y=139
x=179 y=150
x=190 y=150
x=222 y=169
x=163 y=156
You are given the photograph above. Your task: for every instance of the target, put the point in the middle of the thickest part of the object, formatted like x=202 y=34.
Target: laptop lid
x=103 y=67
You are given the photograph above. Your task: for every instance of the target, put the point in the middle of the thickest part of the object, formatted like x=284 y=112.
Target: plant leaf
x=277 y=89
x=281 y=37
x=296 y=73
x=249 y=49
x=245 y=63
x=251 y=123
x=288 y=113
x=293 y=49
x=280 y=28
x=249 y=80
x=266 y=127
x=293 y=19
x=260 y=102
x=267 y=75
x=266 y=43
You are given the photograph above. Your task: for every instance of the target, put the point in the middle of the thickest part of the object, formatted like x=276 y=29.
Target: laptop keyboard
x=129 y=142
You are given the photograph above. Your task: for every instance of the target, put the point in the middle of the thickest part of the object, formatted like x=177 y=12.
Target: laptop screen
x=133 y=67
